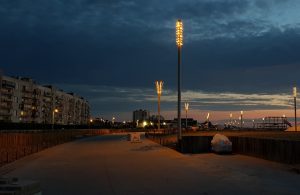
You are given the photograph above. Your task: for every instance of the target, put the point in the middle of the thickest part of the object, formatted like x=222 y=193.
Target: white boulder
x=221 y=144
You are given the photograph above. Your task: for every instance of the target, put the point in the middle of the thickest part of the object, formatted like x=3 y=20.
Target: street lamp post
x=179 y=42
x=230 y=120
x=242 y=119
x=186 y=106
x=159 y=86
x=53 y=114
x=295 y=105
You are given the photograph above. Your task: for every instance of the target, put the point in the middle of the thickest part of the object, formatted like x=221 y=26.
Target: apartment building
x=140 y=115
x=22 y=100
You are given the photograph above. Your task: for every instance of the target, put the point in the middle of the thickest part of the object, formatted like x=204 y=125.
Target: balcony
x=8 y=84
x=6 y=105
x=28 y=106
x=5 y=113
x=6 y=99
x=37 y=92
x=27 y=90
x=27 y=96
x=6 y=91
x=35 y=96
x=27 y=101
x=47 y=100
x=35 y=114
x=36 y=103
x=47 y=94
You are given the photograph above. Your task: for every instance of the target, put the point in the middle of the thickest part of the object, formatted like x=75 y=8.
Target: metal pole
x=241 y=121
x=186 y=119
x=158 y=111
x=52 y=120
x=295 y=105
x=179 y=96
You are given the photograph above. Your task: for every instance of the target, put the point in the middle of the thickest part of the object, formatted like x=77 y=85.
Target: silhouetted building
x=190 y=122
x=140 y=115
x=154 y=118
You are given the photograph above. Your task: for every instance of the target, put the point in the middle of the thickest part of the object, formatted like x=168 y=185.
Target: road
x=111 y=165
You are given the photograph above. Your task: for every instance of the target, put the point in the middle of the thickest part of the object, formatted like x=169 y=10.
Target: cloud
x=245 y=47
x=114 y=99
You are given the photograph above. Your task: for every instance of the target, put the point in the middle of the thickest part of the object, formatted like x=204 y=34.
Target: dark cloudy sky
x=237 y=54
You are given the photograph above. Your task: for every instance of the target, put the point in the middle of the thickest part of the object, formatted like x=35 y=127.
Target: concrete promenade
x=111 y=165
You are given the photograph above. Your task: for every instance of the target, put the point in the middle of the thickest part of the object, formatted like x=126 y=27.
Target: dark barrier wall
x=196 y=144
x=17 y=144
x=279 y=150
x=284 y=151
x=38 y=126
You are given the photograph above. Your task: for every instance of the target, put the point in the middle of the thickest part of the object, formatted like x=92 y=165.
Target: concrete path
x=111 y=165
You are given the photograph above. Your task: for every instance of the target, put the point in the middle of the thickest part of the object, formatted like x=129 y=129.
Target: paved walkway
x=111 y=165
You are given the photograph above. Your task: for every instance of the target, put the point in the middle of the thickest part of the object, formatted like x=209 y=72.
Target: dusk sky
x=237 y=54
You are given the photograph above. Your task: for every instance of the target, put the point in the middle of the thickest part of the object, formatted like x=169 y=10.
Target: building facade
x=22 y=100
x=140 y=115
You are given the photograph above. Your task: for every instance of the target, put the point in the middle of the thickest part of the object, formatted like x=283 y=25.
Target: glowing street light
x=113 y=120
x=295 y=105
x=179 y=43
x=145 y=124
x=179 y=33
x=53 y=114
x=186 y=107
x=230 y=120
x=22 y=115
x=159 y=87
x=91 y=121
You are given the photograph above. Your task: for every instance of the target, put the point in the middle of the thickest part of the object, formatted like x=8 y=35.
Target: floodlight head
x=179 y=33
x=186 y=106
x=159 y=87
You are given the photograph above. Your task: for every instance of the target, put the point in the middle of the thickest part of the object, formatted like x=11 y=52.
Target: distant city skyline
x=238 y=55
